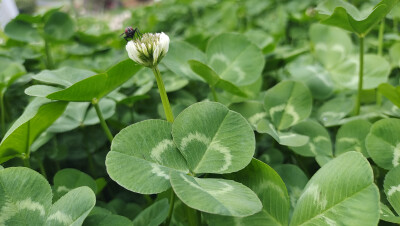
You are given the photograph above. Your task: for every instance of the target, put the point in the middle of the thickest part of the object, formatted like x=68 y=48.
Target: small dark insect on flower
x=130 y=33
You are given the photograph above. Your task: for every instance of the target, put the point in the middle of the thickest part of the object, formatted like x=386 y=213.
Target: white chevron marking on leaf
x=224 y=189
x=221 y=190
x=61 y=217
x=314 y=191
x=157 y=151
x=220 y=57
x=276 y=109
x=269 y=185
x=349 y=140
x=62 y=189
x=226 y=152
x=313 y=149
x=240 y=74
x=196 y=136
x=257 y=117
x=396 y=155
x=329 y=221
x=158 y=171
x=393 y=189
x=320 y=138
x=10 y=209
x=292 y=112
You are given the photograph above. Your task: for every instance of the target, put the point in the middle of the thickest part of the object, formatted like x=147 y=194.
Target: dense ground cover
x=282 y=113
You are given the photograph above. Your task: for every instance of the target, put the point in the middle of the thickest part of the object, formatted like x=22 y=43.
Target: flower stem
x=171 y=208
x=42 y=169
x=163 y=95
x=103 y=123
x=360 y=75
x=2 y=115
x=380 y=37
x=49 y=58
x=194 y=218
x=214 y=94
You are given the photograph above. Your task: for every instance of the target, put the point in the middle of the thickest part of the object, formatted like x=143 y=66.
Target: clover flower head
x=149 y=49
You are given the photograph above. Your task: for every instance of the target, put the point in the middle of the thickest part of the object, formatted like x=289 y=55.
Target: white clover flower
x=149 y=49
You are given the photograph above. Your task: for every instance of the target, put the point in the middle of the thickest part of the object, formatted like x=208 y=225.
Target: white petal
x=133 y=53
x=156 y=54
x=164 y=42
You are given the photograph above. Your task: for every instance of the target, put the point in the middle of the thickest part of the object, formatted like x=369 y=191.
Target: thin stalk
x=378 y=98
x=171 y=208
x=49 y=58
x=163 y=95
x=360 y=75
x=170 y=118
x=380 y=37
x=27 y=163
x=214 y=94
x=103 y=123
x=25 y=156
x=42 y=169
x=194 y=218
x=2 y=114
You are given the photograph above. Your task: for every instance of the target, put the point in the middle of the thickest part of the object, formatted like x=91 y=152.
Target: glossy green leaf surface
x=344 y=15
x=37 y=117
x=99 y=85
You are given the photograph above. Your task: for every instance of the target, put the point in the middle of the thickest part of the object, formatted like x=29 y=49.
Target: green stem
x=49 y=58
x=171 y=208
x=163 y=95
x=360 y=75
x=378 y=98
x=103 y=123
x=2 y=113
x=27 y=163
x=42 y=169
x=25 y=156
x=194 y=218
x=148 y=200
x=214 y=94
x=380 y=37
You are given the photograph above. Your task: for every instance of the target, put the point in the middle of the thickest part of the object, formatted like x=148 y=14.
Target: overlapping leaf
x=287 y=104
x=142 y=157
x=213 y=139
x=383 y=143
x=334 y=193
